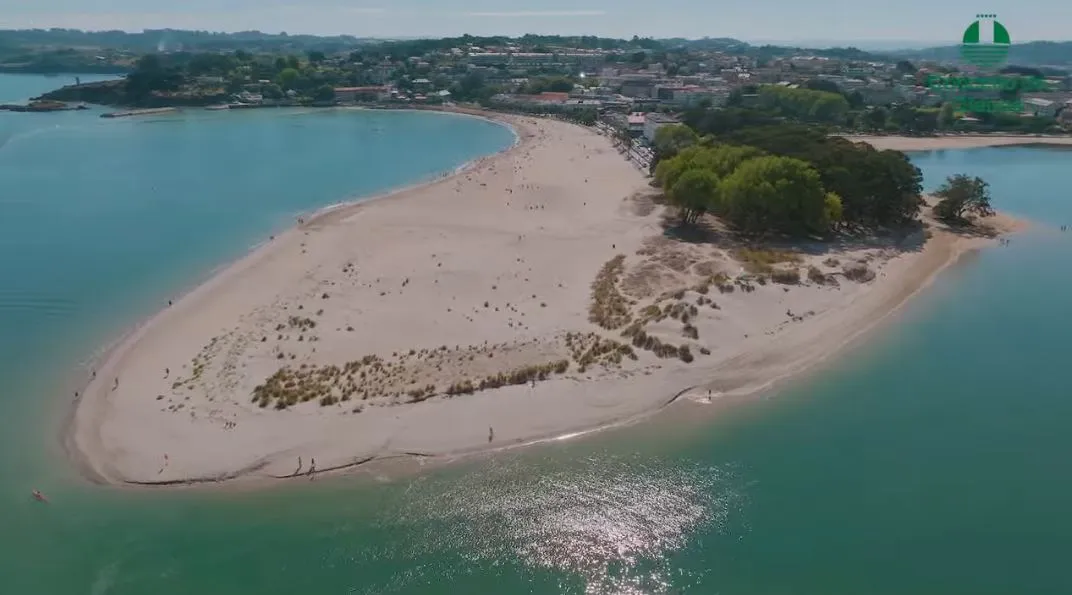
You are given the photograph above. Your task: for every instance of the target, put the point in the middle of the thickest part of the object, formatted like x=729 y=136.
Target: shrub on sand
x=858 y=272
x=786 y=276
x=817 y=276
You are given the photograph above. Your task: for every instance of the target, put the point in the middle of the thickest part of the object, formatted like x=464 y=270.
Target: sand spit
x=534 y=294
x=959 y=141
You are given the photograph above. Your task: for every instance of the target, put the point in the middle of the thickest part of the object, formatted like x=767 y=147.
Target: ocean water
x=932 y=459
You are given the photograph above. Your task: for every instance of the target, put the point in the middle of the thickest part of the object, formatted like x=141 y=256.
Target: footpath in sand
x=535 y=294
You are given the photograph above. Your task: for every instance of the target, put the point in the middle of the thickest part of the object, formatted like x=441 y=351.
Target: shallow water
x=932 y=460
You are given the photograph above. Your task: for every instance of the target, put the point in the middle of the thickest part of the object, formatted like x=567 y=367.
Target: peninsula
x=539 y=292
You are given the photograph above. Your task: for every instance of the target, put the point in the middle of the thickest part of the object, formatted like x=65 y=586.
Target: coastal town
x=634 y=85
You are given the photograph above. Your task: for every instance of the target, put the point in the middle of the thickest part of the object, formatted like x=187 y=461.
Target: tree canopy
x=695 y=192
x=777 y=194
x=962 y=195
x=670 y=140
x=804 y=104
x=755 y=192
x=876 y=188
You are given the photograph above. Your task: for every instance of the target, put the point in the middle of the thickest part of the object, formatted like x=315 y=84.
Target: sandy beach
x=534 y=294
x=958 y=141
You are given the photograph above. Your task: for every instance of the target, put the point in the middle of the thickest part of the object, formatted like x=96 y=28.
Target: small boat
x=218 y=107
x=39 y=496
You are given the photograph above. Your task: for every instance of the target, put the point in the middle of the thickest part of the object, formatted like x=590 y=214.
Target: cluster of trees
x=910 y=120
x=151 y=39
x=307 y=76
x=756 y=192
x=819 y=101
x=583 y=116
x=554 y=84
x=803 y=104
x=152 y=75
x=874 y=188
x=877 y=188
x=797 y=179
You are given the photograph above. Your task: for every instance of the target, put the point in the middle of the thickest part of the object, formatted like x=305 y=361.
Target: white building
x=1040 y=107
x=653 y=121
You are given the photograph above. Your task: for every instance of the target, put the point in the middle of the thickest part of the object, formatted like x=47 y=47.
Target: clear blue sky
x=939 y=21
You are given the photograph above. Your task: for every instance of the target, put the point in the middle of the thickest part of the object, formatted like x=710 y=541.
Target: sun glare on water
x=609 y=521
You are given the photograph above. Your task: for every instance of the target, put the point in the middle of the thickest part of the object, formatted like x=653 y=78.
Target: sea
x=934 y=457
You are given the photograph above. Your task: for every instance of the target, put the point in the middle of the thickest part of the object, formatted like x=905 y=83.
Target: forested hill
x=151 y=40
x=1033 y=53
x=156 y=39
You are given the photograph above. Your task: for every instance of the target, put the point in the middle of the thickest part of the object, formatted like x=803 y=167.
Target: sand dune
x=533 y=294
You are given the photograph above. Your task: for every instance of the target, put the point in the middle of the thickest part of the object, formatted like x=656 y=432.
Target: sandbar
x=358 y=335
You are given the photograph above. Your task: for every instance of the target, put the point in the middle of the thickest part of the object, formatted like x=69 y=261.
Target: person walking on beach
x=491 y=434
x=312 y=469
x=116 y=383
x=298 y=470
x=167 y=372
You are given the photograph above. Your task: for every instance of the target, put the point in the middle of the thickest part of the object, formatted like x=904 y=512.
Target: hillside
x=1035 y=53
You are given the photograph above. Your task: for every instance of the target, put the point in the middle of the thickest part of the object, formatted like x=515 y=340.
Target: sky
x=819 y=21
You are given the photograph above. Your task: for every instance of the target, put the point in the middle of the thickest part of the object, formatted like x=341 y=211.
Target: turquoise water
x=933 y=460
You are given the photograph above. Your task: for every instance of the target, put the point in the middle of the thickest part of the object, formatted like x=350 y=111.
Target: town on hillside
x=633 y=86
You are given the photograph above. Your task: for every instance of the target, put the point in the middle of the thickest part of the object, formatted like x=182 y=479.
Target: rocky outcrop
x=101 y=93
x=114 y=93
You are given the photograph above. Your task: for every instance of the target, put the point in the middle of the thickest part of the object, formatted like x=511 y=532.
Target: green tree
x=672 y=138
x=720 y=159
x=694 y=192
x=832 y=211
x=822 y=85
x=962 y=195
x=804 y=104
x=288 y=77
x=316 y=56
x=875 y=119
x=904 y=117
x=776 y=194
x=946 y=116
x=556 y=84
x=856 y=100
x=272 y=91
x=324 y=93
x=926 y=120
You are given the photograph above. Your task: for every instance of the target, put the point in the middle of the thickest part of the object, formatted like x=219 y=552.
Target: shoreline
x=125 y=339
x=956 y=141
x=569 y=405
